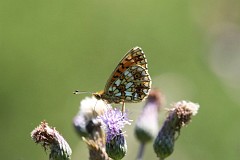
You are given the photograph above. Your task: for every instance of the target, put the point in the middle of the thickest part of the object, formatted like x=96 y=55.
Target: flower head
x=88 y=126
x=147 y=124
x=91 y=107
x=50 y=138
x=113 y=121
x=179 y=116
x=86 y=118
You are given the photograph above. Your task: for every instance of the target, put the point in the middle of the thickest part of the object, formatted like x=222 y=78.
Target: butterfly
x=130 y=82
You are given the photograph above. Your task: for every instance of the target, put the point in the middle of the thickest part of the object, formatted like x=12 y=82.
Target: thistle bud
x=117 y=147
x=147 y=123
x=49 y=138
x=179 y=116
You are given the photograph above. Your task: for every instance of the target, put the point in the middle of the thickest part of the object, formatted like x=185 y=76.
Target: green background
x=50 y=48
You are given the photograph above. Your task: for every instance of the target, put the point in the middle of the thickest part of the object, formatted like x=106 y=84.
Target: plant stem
x=140 y=151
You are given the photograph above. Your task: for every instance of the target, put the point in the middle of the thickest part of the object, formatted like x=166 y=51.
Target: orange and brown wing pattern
x=134 y=57
x=132 y=86
x=130 y=81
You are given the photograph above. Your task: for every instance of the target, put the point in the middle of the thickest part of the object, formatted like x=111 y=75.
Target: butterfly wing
x=133 y=57
x=132 y=86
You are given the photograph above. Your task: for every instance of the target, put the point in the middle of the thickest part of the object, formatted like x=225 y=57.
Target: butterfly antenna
x=81 y=92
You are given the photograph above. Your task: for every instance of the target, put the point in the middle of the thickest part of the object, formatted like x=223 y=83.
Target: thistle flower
x=113 y=122
x=179 y=116
x=85 y=120
x=49 y=137
x=147 y=123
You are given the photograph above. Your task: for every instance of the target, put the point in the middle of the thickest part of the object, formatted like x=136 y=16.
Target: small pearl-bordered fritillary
x=130 y=82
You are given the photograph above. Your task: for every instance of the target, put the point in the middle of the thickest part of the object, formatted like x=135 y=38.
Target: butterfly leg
x=94 y=109
x=123 y=107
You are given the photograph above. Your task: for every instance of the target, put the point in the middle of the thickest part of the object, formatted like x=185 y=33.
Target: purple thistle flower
x=88 y=126
x=113 y=122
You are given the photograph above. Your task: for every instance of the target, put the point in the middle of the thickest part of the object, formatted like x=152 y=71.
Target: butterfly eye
x=97 y=96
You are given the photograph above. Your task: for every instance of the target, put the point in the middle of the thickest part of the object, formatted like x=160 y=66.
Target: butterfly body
x=130 y=82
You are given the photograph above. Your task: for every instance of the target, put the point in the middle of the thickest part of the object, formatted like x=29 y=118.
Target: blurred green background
x=50 y=48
